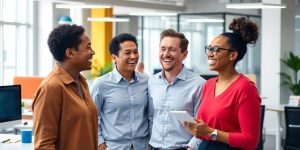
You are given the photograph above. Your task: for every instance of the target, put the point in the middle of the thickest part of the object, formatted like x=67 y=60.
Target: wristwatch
x=214 y=134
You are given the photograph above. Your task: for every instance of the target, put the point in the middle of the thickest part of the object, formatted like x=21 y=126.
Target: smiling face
x=222 y=59
x=83 y=56
x=170 y=54
x=127 y=58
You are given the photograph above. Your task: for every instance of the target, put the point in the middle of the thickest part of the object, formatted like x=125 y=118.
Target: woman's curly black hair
x=244 y=32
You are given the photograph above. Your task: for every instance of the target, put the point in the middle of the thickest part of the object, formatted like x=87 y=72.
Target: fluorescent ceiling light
x=153 y=14
x=61 y=1
x=84 y=6
x=297 y=30
x=108 y=19
x=254 y=6
x=156 y=2
x=204 y=20
x=297 y=16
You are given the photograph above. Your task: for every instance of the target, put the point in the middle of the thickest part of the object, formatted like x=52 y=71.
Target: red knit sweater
x=236 y=110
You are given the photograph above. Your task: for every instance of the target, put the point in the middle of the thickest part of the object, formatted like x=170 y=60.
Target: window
x=15 y=30
x=199 y=30
x=153 y=26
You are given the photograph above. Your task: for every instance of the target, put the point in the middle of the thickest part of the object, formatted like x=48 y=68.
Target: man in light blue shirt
x=175 y=88
x=121 y=97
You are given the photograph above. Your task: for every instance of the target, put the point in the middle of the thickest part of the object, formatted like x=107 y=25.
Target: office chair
x=29 y=85
x=261 y=141
x=292 y=122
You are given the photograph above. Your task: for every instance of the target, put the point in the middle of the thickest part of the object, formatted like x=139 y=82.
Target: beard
x=167 y=67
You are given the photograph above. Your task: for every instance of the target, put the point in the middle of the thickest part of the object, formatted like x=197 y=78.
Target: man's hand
x=102 y=146
x=150 y=147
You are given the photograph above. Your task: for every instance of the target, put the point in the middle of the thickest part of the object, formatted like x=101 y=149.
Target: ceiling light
x=297 y=30
x=254 y=6
x=297 y=16
x=156 y=2
x=62 y=1
x=204 y=20
x=84 y=6
x=153 y=14
x=109 y=19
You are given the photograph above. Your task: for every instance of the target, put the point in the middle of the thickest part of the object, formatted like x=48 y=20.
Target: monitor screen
x=10 y=105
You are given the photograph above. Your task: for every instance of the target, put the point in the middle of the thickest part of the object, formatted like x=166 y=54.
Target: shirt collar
x=118 y=77
x=65 y=76
x=182 y=74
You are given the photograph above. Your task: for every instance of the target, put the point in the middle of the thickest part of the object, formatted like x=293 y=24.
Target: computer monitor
x=10 y=106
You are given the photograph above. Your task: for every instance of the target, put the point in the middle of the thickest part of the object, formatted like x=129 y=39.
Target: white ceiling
x=122 y=7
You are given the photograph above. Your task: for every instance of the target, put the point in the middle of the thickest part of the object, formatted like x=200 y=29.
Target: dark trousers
x=174 y=149
x=214 y=145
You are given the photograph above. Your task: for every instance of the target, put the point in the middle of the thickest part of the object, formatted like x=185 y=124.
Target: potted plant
x=292 y=81
x=98 y=70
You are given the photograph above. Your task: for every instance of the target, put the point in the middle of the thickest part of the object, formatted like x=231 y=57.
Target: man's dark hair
x=114 y=45
x=172 y=33
x=63 y=37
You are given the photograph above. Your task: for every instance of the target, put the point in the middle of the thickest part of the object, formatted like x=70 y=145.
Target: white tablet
x=182 y=116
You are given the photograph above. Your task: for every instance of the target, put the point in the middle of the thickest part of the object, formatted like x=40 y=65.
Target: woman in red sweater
x=229 y=114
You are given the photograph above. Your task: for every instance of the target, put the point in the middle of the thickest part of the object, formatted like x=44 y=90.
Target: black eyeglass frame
x=215 y=50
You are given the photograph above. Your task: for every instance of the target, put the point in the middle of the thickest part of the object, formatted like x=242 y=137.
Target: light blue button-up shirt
x=181 y=95
x=122 y=110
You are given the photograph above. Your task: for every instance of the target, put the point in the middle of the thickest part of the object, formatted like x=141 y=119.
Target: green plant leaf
x=286 y=77
x=285 y=83
x=293 y=62
x=106 y=69
x=295 y=89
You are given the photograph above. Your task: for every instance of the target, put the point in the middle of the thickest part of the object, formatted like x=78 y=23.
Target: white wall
x=277 y=39
x=297 y=33
x=47 y=18
x=43 y=26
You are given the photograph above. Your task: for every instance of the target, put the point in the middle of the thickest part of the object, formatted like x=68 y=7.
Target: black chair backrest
x=292 y=122
x=260 y=145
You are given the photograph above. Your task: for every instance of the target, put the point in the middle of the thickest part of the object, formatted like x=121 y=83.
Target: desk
x=14 y=146
x=26 y=110
x=279 y=109
x=27 y=125
x=27 y=113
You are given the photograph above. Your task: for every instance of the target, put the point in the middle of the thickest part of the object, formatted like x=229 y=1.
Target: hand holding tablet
x=182 y=116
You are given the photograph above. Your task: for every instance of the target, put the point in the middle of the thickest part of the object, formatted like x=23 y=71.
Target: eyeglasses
x=215 y=50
